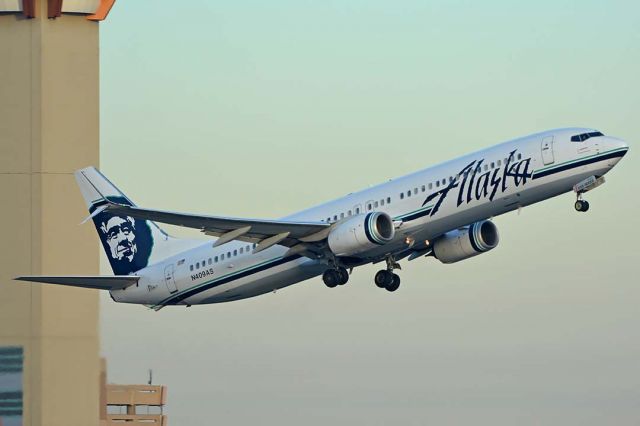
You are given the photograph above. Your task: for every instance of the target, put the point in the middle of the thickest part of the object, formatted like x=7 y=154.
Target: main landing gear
x=335 y=277
x=386 y=278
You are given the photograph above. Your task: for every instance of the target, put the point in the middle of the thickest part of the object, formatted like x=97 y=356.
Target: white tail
x=130 y=244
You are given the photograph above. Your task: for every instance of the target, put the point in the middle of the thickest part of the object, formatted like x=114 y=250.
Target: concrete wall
x=48 y=128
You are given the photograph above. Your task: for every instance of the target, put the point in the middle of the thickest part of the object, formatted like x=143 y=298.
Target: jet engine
x=466 y=242
x=361 y=233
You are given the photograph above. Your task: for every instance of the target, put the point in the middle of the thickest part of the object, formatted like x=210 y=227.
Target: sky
x=260 y=109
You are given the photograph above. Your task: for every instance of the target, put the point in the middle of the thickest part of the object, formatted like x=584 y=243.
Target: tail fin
x=130 y=244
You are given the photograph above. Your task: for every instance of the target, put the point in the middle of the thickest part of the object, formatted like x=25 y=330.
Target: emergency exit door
x=547 y=150
x=169 y=279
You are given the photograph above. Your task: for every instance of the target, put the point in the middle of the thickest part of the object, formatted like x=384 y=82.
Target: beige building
x=49 y=127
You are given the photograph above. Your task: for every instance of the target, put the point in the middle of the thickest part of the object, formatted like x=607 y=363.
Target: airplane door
x=169 y=279
x=547 y=150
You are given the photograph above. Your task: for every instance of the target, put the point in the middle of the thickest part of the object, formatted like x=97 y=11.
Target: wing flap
x=117 y=282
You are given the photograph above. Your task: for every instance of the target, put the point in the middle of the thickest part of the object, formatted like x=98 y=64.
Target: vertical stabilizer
x=130 y=244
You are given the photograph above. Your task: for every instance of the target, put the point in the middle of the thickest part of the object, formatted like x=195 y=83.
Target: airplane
x=444 y=212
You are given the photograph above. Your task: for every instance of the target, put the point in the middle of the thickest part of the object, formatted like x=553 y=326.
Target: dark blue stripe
x=6 y=361
x=580 y=163
x=15 y=405
x=472 y=238
x=10 y=412
x=180 y=297
x=10 y=351
x=10 y=395
x=367 y=232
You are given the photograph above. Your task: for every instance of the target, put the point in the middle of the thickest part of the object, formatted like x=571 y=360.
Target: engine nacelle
x=466 y=242
x=361 y=233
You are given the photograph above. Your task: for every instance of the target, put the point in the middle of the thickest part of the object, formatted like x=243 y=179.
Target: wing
x=264 y=232
x=98 y=282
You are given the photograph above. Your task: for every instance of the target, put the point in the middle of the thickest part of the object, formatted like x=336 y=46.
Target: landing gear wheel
x=395 y=283
x=581 y=205
x=344 y=276
x=383 y=278
x=331 y=278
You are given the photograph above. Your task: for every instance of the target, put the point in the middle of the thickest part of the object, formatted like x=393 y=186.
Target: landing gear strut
x=386 y=278
x=335 y=277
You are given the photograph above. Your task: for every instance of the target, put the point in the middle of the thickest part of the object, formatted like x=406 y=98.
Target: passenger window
x=228 y=254
x=248 y=248
x=402 y=195
x=409 y=193
x=210 y=261
x=382 y=202
x=191 y=267
x=493 y=165
x=388 y=200
x=444 y=181
x=241 y=250
x=438 y=184
x=358 y=210
x=375 y=204
x=328 y=219
x=369 y=206
x=222 y=256
x=335 y=217
x=197 y=265
x=486 y=167
x=424 y=188
x=415 y=191
x=349 y=212
x=430 y=185
x=519 y=156
x=235 y=252
x=499 y=163
x=341 y=215
x=215 y=259
x=203 y=263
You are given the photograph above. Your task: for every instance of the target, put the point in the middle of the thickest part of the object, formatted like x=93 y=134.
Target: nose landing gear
x=583 y=186
x=581 y=205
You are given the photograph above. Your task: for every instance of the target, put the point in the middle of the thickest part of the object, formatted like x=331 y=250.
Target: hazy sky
x=258 y=109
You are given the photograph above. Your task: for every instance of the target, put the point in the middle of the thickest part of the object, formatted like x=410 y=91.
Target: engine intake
x=361 y=233
x=466 y=242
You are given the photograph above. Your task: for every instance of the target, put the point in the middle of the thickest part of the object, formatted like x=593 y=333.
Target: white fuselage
x=468 y=189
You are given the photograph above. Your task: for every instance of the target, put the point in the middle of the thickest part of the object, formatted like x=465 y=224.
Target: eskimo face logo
x=121 y=237
x=127 y=241
x=475 y=185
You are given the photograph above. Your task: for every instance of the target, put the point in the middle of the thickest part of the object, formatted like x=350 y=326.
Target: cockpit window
x=584 y=136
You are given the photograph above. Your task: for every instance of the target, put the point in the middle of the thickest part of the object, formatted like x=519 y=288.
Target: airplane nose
x=619 y=144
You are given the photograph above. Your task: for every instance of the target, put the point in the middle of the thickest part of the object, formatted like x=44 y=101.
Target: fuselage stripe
x=547 y=171
x=177 y=298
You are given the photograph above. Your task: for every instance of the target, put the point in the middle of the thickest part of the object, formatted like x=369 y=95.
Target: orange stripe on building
x=102 y=11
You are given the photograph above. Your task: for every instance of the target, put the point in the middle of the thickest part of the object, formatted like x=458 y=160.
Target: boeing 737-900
x=443 y=211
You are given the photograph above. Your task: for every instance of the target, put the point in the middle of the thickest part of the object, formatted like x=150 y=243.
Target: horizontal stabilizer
x=117 y=282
